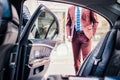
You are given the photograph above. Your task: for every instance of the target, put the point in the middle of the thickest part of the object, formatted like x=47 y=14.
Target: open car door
x=36 y=44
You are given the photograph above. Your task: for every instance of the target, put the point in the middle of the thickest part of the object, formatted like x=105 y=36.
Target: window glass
x=44 y=22
x=52 y=31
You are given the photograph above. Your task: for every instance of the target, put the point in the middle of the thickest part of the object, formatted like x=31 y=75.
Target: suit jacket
x=88 y=21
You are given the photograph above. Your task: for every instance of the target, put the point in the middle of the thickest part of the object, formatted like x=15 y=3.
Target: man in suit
x=81 y=27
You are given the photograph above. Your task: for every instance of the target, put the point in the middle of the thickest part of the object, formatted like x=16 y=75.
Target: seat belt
x=98 y=58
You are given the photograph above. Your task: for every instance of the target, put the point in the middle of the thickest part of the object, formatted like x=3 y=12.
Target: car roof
x=88 y=2
x=110 y=9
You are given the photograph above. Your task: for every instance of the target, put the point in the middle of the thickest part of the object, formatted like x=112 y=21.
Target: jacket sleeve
x=95 y=22
x=68 y=23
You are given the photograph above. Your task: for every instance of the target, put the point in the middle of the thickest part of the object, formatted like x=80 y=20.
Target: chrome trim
x=41 y=45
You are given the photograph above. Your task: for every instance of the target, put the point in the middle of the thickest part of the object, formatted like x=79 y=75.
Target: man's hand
x=69 y=38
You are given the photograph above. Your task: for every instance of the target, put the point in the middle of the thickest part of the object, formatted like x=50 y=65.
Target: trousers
x=81 y=46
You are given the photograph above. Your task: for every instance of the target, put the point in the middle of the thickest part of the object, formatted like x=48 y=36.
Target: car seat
x=9 y=23
x=104 y=60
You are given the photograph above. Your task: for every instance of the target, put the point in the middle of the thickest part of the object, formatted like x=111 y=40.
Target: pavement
x=62 y=60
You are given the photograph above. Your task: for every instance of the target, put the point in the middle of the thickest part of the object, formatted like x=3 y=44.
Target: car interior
x=8 y=33
x=104 y=60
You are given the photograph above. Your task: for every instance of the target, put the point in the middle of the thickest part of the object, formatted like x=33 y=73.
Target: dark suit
x=81 y=41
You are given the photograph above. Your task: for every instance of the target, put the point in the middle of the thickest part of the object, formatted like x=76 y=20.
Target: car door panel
x=41 y=44
x=39 y=57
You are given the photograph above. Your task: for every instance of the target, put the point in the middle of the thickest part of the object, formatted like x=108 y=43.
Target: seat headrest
x=6 y=13
x=15 y=17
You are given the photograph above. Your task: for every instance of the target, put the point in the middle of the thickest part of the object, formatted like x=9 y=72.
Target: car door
x=37 y=42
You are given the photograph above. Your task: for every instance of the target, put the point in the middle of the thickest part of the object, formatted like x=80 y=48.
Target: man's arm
x=68 y=26
x=95 y=22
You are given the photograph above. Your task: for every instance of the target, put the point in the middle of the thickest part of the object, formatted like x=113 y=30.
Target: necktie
x=78 y=25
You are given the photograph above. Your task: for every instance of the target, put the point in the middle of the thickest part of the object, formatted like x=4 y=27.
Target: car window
x=45 y=21
x=62 y=57
x=44 y=24
x=52 y=31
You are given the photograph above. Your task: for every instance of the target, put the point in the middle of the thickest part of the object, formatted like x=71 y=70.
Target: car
x=25 y=50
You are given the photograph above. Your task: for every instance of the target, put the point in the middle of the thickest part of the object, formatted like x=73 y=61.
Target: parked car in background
x=25 y=52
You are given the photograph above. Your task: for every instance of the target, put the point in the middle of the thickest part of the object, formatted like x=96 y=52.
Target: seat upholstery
x=113 y=67
x=9 y=22
x=9 y=32
x=86 y=68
